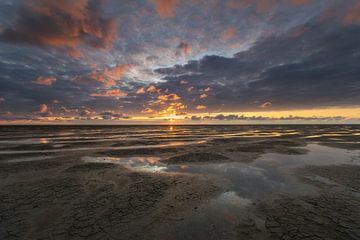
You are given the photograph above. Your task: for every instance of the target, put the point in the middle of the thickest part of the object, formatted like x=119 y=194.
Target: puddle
x=269 y=174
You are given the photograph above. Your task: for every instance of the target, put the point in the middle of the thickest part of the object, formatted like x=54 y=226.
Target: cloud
x=140 y=91
x=175 y=108
x=43 y=108
x=206 y=89
x=234 y=117
x=266 y=105
x=86 y=113
x=262 y=6
x=294 y=72
x=152 y=89
x=281 y=56
x=200 y=107
x=228 y=33
x=147 y=111
x=2 y=99
x=183 y=49
x=7 y=114
x=110 y=93
x=45 y=81
x=61 y=24
x=110 y=115
x=109 y=76
x=300 y=2
x=165 y=8
x=202 y=96
x=353 y=15
x=169 y=97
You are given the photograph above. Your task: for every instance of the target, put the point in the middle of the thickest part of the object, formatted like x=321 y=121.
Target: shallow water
x=268 y=173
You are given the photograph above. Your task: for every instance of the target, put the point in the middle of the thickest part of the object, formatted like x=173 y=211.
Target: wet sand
x=255 y=182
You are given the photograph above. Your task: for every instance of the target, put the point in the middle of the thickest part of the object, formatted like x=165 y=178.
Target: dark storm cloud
x=234 y=117
x=61 y=24
x=315 y=68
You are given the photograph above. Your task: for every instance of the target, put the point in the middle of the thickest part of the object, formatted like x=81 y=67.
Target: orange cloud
x=165 y=8
x=228 y=33
x=140 y=91
x=158 y=102
x=183 y=82
x=200 y=107
x=43 y=108
x=110 y=93
x=184 y=48
x=353 y=15
x=176 y=108
x=109 y=76
x=206 y=89
x=152 y=89
x=46 y=81
x=62 y=24
x=202 y=96
x=147 y=111
x=266 y=105
x=7 y=114
x=169 y=97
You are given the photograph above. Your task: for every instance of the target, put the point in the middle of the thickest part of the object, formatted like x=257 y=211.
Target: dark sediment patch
x=347 y=146
x=270 y=146
x=139 y=152
x=7 y=169
x=203 y=157
x=16 y=156
x=292 y=151
x=346 y=175
x=86 y=167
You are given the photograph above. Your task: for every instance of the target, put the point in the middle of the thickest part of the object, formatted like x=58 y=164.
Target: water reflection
x=270 y=173
x=148 y=164
x=43 y=140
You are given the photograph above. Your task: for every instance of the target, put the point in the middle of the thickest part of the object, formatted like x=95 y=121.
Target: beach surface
x=180 y=182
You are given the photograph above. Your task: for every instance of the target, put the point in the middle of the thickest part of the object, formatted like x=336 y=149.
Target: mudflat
x=183 y=182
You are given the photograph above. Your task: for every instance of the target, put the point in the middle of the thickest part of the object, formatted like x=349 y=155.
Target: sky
x=179 y=61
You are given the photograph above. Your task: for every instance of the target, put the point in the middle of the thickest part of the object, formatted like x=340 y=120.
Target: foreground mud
x=93 y=201
x=333 y=213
